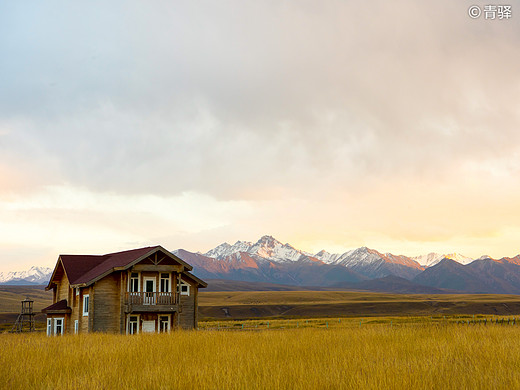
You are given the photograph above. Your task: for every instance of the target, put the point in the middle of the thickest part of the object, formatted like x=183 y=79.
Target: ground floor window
x=58 y=326
x=133 y=325
x=164 y=324
x=76 y=326
x=49 y=326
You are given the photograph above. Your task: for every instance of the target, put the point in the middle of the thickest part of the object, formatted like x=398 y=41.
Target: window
x=164 y=324
x=85 y=305
x=134 y=282
x=76 y=327
x=185 y=288
x=165 y=282
x=148 y=326
x=133 y=322
x=49 y=326
x=77 y=291
x=58 y=326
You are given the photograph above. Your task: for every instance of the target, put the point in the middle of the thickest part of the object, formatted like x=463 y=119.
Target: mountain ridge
x=270 y=261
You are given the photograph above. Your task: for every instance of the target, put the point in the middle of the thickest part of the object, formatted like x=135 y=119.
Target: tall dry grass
x=372 y=357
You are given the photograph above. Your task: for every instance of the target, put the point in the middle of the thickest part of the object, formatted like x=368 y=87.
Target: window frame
x=62 y=326
x=169 y=322
x=167 y=279
x=131 y=279
x=183 y=284
x=86 y=298
x=128 y=322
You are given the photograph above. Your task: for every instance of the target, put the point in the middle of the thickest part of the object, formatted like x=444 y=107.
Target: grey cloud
x=232 y=98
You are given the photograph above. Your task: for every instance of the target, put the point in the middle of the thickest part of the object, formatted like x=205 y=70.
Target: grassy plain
x=10 y=303
x=298 y=304
x=428 y=356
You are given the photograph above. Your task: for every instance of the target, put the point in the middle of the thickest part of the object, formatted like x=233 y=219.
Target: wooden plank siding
x=83 y=320
x=106 y=304
x=63 y=289
x=187 y=302
x=123 y=288
x=196 y=308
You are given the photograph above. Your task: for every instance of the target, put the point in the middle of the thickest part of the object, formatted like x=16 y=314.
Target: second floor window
x=134 y=282
x=184 y=288
x=165 y=282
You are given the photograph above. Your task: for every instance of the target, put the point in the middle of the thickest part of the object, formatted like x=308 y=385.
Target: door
x=149 y=291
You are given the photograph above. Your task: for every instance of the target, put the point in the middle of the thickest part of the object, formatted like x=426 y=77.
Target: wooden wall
x=63 y=289
x=83 y=320
x=187 y=316
x=106 y=304
x=63 y=292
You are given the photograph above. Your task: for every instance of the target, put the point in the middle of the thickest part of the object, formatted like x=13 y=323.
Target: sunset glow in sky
x=327 y=124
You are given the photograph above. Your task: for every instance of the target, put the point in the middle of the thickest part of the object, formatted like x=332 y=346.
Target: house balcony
x=156 y=302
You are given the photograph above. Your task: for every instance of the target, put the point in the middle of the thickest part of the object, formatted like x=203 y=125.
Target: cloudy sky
x=327 y=124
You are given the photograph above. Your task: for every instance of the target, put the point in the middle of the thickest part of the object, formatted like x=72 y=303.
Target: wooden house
x=140 y=290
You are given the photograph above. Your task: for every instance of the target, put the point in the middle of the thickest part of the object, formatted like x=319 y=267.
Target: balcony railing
x=151 y=298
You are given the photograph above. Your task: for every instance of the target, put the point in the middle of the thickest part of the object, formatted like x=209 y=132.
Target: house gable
x=157 y=260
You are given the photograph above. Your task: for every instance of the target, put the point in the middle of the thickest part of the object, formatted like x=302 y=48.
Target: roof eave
x=59 y=311
x=197 y=280
x=49 y=286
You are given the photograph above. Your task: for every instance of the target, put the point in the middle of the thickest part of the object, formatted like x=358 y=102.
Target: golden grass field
x=428 y=356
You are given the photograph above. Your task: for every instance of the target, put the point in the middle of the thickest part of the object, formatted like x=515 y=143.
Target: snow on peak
x=266 y=247
x=269 y=247
x=224 y=250
x=431 y=259
x=459 y=258
x=326 y=257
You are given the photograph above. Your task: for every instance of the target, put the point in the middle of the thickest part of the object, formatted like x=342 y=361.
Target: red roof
x=84 y=268
x=109 y=261
x=58 y=306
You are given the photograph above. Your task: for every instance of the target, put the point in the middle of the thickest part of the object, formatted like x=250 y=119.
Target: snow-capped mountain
x=431 y=259
x=267 y=247
x=364 y=262
x=35 y=275
x=373 y=264
x=268 y=260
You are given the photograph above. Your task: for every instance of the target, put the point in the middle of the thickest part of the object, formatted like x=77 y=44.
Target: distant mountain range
x=268 y=261
x=35 y=275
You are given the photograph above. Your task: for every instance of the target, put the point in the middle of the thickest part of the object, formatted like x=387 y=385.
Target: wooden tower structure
x=25 y=320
